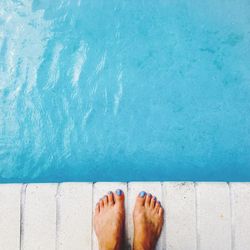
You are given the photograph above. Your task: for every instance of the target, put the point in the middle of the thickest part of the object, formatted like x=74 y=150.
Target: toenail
x=159 y=202
x=150 y=195
x=155 y=198
x=119 y=192
x=110 y=192
x=142 y=194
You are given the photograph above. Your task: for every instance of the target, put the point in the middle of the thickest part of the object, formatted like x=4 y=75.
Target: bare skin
x=109 y=221
x=148 y=221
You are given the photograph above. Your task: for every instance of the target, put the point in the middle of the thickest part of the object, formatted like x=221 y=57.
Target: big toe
x=119 y=197
x=140 y=200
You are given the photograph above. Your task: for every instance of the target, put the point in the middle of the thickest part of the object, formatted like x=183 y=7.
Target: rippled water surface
x=124 y=90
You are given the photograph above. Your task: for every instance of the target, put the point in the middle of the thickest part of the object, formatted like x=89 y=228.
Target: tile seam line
x=231 y=216
x=22 y=214
x=92 y=215
x=197 y=216
x=58 y=190
x=126 y=219
x=164 y=230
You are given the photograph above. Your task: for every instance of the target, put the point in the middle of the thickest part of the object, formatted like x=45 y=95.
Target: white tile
x=74 y=224
x=134 y=188
x=10 y=196
x=62 y=219
x=240 y=200
x=180 y=215
x=102 y=188
x=39 y=225
x=213 y=216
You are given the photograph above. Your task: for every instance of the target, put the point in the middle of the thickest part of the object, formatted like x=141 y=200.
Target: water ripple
x=54 y=71
x=101 y=64
x=118 y=94
x=80 y=58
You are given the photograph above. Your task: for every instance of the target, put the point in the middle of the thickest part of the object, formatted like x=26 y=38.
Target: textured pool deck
x=199 y=216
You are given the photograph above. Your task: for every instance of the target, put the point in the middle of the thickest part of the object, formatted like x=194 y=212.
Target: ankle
x=108 y=247
x=143 y=246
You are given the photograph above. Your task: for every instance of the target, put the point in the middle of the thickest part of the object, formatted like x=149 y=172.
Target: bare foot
x=148 y=221
x=109 y=221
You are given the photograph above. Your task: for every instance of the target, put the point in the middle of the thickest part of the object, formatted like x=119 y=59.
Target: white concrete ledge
x=199 y=216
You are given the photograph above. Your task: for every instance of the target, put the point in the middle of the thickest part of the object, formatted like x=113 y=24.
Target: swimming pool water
x=94 y=90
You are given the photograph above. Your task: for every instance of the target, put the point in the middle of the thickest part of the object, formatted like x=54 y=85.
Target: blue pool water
x=95 y=90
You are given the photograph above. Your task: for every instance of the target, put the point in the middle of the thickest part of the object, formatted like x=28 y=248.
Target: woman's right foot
x=148 y=221
x=109 y=221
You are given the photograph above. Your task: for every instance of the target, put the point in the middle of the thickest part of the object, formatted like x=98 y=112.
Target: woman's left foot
x=109 y=220
x=148 y=221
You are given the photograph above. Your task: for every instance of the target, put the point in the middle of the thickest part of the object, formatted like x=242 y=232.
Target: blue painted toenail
x=119 y=192
x=159 y=202
x=155 y=198
x=142 y=194
x=110 y=192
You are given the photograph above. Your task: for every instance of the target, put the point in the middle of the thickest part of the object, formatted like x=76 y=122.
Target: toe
x=161 y=211
x=148 y=200
x=153 y=201
x=101 y=204
x=157 y=206
x=105 y=200
x=97 y=208
x=119 y=197
x=141 y=198
x=110 y=198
